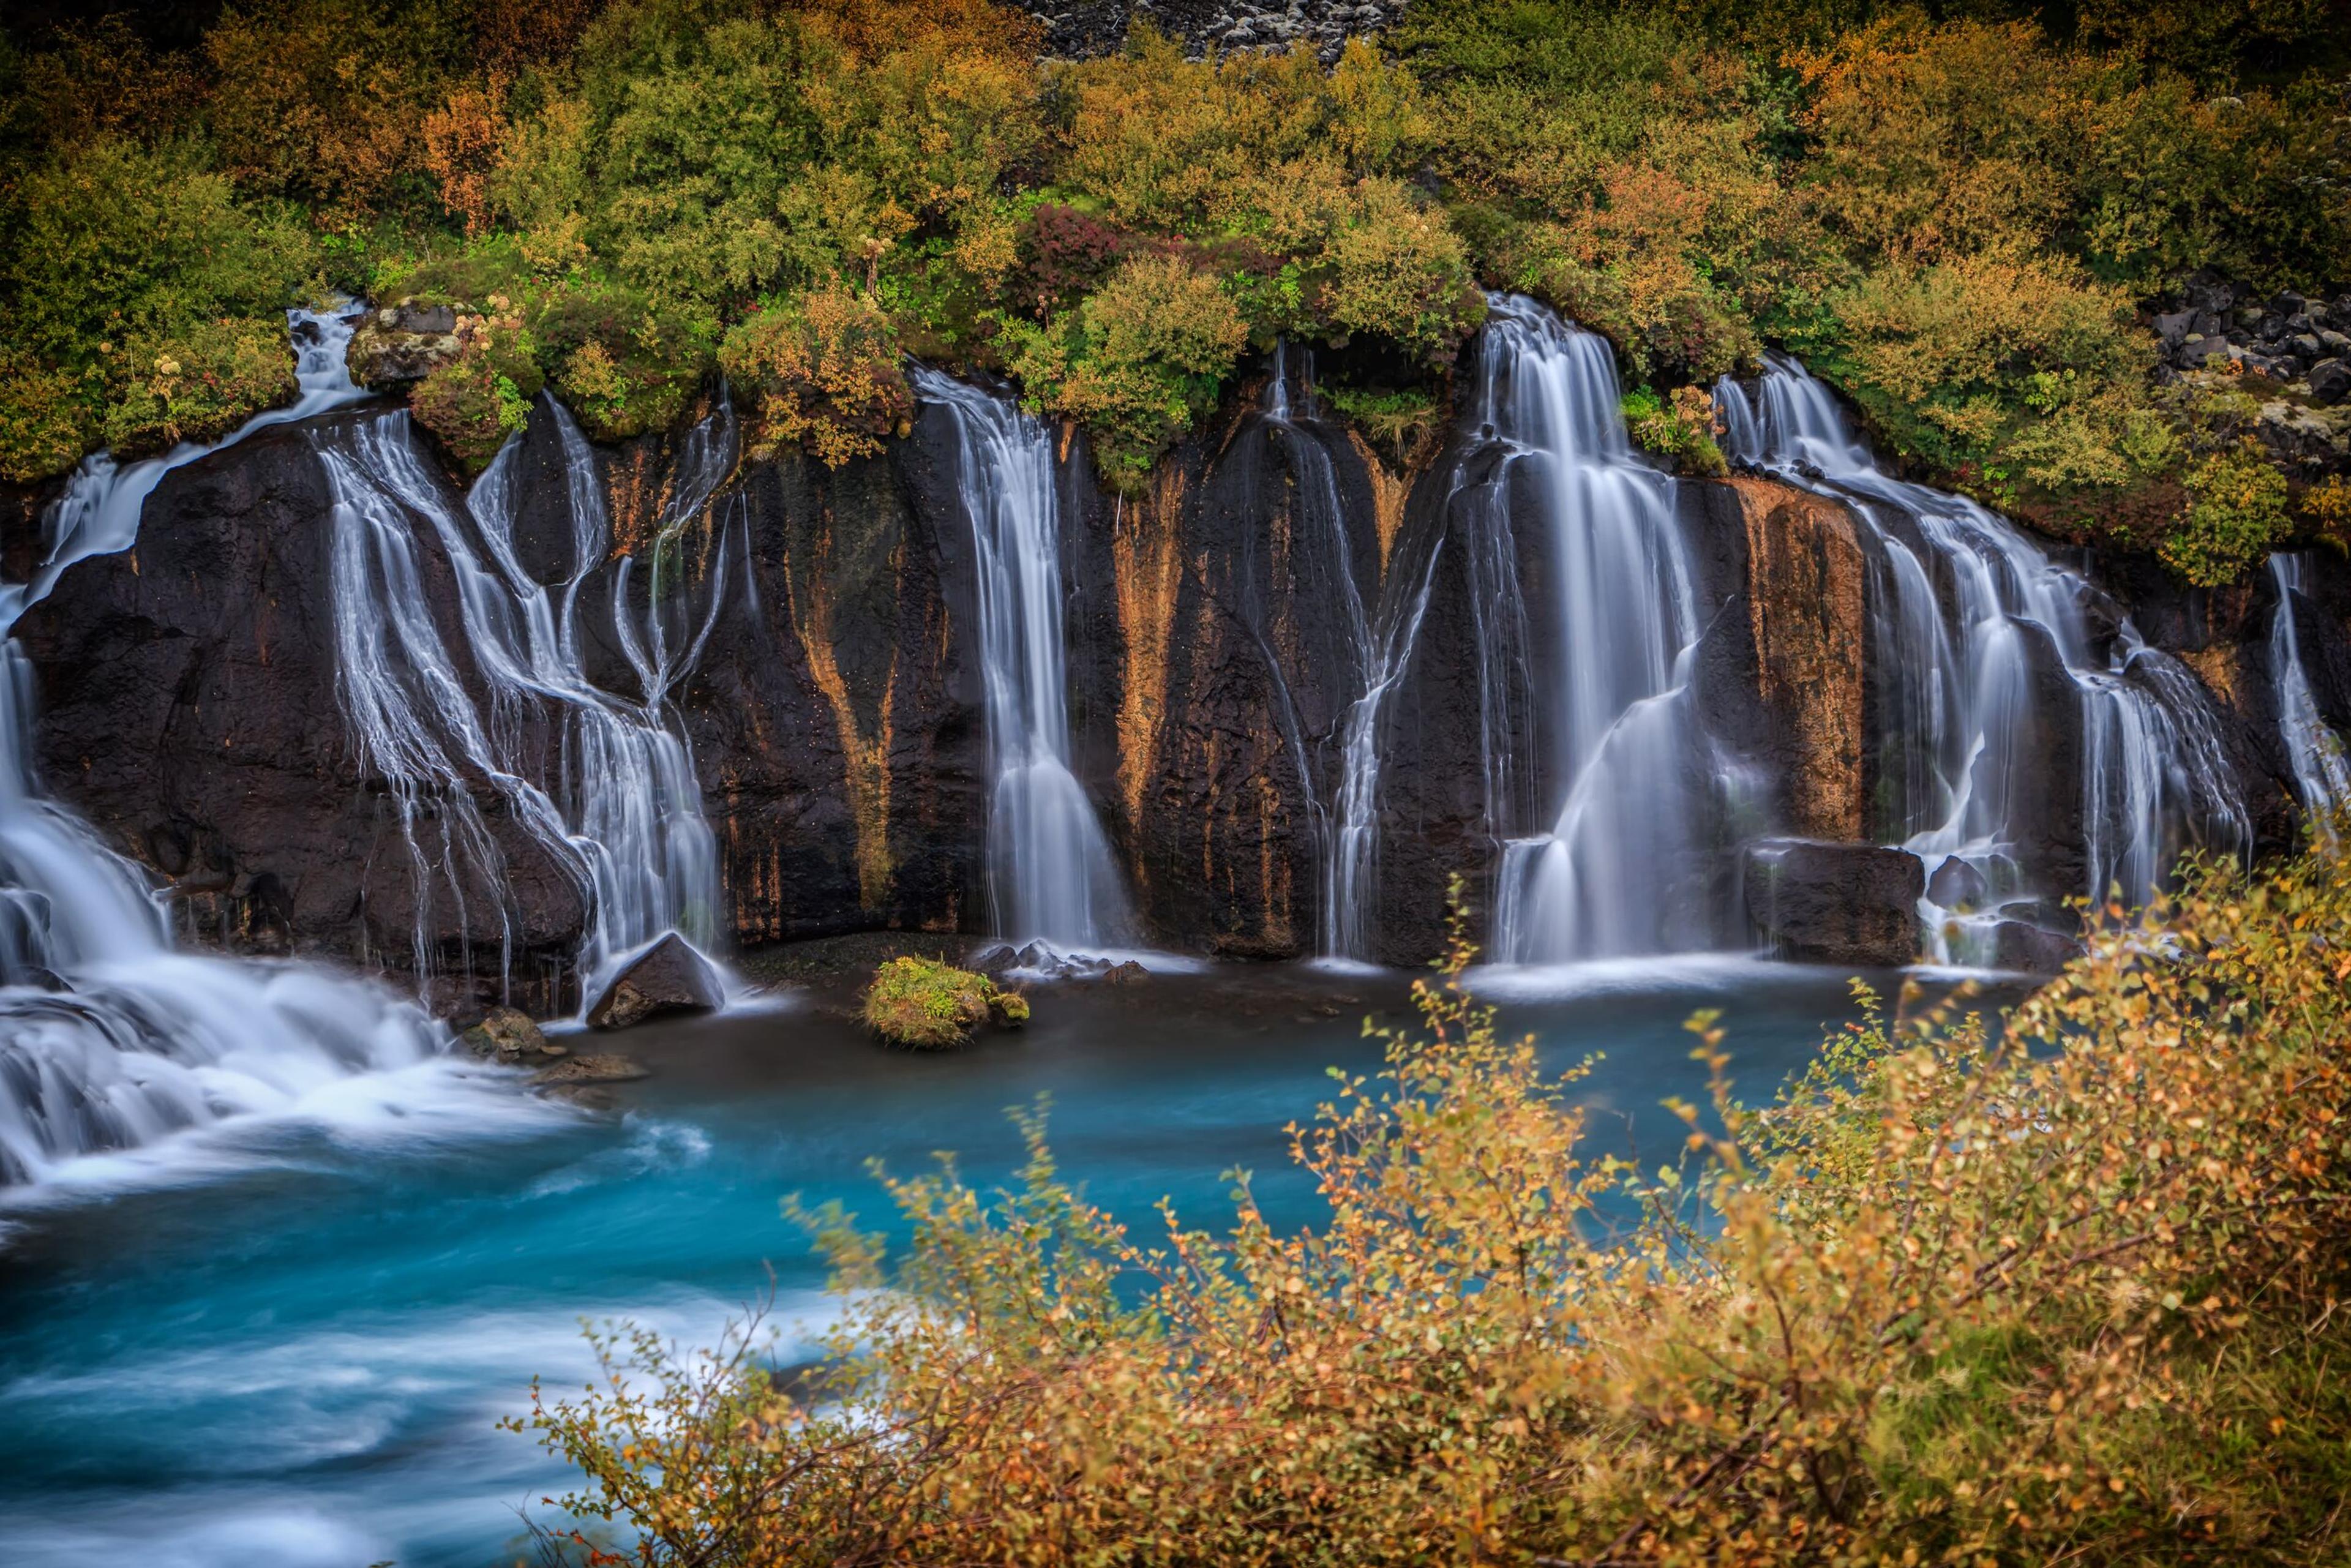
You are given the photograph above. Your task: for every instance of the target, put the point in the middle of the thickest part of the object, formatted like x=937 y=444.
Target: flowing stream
x=1971 y=622
x=621 y=814
x=1050 y=876
x=1611 y=876
x=2321 y=773
x=110 y=1040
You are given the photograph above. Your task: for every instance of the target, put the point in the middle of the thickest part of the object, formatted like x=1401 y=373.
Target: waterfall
x=1379 y=640
x=622 y=814
x=1959 y=698
x=2321 y=774
x=1613 y=874
x=1050 y=878
x=109 y=1039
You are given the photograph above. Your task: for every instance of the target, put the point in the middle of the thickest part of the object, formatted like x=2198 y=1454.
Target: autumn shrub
x=2236 y=516
x=1139 y=362
x=2067 y=1289
x=624 y=363
x=1398 y=271
x=477 y=400
x=1678 y=427
x=1958 y=362
x=198 y=384
x=821 y=371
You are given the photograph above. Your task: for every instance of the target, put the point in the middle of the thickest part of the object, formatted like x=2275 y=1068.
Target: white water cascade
x=1611 y=877
x=619 y=809
x=1963 y=607
x=1379 y=637
x=109 y=1038
x=2322 y=774
x=1050 y=876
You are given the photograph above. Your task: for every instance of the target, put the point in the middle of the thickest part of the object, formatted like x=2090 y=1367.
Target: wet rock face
x=188 y=710
x=835 y=708
x=1836 y=904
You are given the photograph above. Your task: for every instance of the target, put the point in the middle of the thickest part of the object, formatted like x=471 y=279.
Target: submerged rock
x=1836 y=903
x=590 y=1070
x=671 y=977
x=2020 y=946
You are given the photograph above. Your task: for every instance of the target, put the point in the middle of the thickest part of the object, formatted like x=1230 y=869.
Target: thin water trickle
x=1612 y=875
x=1380 y=636
x=2322 y=775
x=1966 y=669
x=1050 y=877
x=109 y=1038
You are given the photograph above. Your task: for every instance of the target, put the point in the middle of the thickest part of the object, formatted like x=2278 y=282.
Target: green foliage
x=624 y=363
x=476 y=401
x=2236 y=516
x=1139 y=362
x=2065 y=1289
x=1403 y=421
x=120 y=255
x=1679 y=428
x=199 y=384
x=928 y=1006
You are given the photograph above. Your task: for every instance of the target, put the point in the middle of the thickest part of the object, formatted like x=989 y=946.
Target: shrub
x=821 y=371
x=1139 y=362
x=198 y=385
x=929 y=1005
x=1398 y=269
x=1402 y=422
x=477 y=400
x=2236 y=516
x=1679 y=429
x=1953 y=360
x=1960 y=1295
x=47 y=417
x=624 y=364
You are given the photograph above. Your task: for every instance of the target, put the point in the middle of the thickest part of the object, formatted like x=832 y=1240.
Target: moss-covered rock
x=930 y=1005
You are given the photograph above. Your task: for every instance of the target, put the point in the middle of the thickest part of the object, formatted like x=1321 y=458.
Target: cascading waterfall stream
x=1609 y=878
x=2322 y=774
x=1380 y=641
x=624 y=817
x=1961 y=687
x=109 y=1038
x=1050 y=876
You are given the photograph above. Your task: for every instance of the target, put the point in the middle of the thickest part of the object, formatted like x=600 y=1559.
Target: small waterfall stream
x=1610 y=876
x=1380 y=639
x=109 y=1038
x=623 y=814
x=1964 y=608
x=2322 y=774
x=1050 y=876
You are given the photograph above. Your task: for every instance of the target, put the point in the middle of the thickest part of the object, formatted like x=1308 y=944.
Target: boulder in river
x=1836 y=903
x=669 y=977
x=930 y=1005
x=508 y=1035
x=2021 y=946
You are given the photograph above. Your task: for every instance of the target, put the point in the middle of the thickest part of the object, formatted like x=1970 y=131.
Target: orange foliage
x=462 y=140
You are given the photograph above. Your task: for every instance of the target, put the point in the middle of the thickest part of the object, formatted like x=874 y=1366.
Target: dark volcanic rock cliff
x=189 y=701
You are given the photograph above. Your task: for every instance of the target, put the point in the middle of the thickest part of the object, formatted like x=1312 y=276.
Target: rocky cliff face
x=189 y=702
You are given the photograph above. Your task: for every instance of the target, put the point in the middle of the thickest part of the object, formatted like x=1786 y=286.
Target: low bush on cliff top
x=2067 y=1291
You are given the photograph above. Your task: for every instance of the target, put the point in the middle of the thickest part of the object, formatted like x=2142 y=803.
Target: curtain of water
x=1962 y=705
x=2321 y=772
x=1379 y=641
x=109 y=1038
x=1050 y=877
x=623 y=814
x=1612 y=875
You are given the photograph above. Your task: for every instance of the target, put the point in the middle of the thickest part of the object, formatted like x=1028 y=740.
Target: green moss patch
x=924 y=1004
